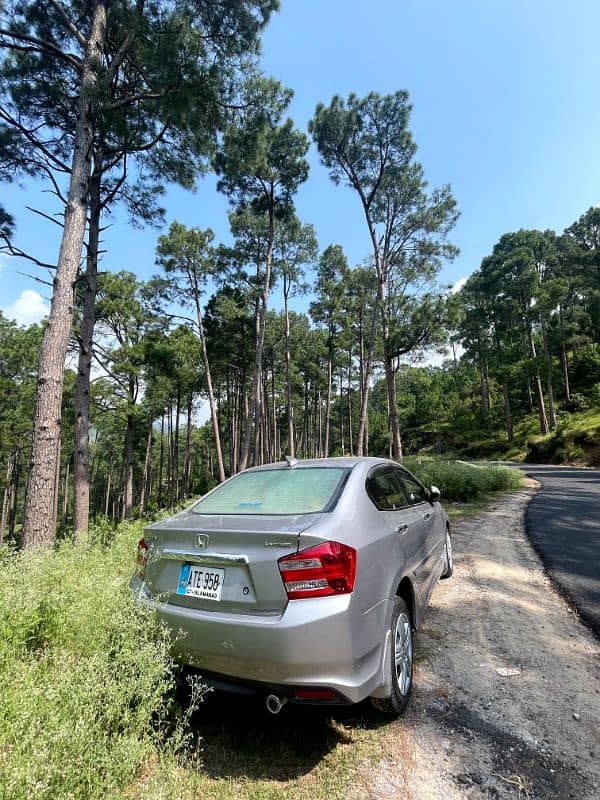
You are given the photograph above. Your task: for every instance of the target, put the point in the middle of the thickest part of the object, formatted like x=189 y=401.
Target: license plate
x=201 y=582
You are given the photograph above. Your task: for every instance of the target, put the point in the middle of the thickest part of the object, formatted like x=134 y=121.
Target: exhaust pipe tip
x=275 y=703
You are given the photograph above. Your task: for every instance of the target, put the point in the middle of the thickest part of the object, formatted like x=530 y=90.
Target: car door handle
x=401 y=528
x=426 y=515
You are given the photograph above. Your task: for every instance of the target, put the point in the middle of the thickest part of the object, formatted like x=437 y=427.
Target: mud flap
x=385 y=687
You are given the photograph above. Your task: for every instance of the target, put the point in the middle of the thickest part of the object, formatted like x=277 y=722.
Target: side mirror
x=434 y=494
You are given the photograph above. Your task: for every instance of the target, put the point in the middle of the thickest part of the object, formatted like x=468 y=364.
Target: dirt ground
x=507 y=680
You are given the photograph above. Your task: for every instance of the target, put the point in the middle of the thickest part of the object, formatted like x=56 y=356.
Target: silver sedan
x=301 y=580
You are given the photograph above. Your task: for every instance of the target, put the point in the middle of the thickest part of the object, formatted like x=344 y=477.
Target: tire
x=401 y=654
x=449 y=564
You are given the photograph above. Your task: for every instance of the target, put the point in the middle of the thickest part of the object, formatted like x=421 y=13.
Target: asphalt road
x=563 y=523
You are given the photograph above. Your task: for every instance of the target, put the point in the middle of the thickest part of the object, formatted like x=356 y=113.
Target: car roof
x=346 y=462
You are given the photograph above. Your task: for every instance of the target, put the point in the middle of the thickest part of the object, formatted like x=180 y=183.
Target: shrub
x=462 y=482
x=86 y=675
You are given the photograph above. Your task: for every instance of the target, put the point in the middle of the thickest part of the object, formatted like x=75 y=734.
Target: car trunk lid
x=223 y=564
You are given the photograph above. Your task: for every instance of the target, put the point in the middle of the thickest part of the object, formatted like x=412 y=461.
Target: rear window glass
x=275 y=491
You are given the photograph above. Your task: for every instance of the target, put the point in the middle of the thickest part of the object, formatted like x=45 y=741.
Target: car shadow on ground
x=238 y=737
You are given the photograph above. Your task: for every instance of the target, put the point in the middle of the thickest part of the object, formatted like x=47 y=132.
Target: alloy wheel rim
x=403 y=653
x=448 y=550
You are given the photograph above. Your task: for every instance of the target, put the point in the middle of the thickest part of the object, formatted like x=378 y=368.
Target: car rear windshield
x=275 y=491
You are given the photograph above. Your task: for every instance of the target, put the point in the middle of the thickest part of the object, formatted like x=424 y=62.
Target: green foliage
x=87 y=682
x=262 y=160
x=461 y=482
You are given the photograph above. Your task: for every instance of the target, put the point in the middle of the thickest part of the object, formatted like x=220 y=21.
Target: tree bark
x=549 y=386
x=288 y=379
x=563 y=359
x=145 y=489
x=188 y=439
x=81 y=454
x=65 y=497
x=12 y=511
x=176 y=448
x=254 y=412
x=329 y=384
x=209 y=384
x=367 y=366
x=390 y=380
x=350 y=402
x=537 y=382
x=507 y=412
x=161 y=461
x=108 y=487
x=6 y=499
x=38 y=520
x=128 y=489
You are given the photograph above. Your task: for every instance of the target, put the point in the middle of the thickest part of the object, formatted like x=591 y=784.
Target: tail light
x=142 y=556
x=328 y=568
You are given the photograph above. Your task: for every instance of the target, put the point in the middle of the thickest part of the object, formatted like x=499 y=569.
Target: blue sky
x=506 y=109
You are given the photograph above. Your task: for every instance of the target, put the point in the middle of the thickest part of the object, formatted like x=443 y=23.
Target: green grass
x=87 y=683
x=92 y=706
x=464 y=483
x=575 y=441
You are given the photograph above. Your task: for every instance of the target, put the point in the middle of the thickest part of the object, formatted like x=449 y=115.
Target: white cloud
x=3 y=261
x=29 y=307
x=458 y=286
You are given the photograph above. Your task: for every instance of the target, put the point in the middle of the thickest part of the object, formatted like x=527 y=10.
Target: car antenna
x=291 y=461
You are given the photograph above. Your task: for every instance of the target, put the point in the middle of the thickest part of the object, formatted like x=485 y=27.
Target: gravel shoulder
x=507 y=680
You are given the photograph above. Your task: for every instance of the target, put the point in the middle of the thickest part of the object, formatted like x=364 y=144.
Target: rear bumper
x=324 y=642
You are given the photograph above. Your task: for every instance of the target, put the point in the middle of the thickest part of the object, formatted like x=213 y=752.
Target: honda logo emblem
x=202 y=540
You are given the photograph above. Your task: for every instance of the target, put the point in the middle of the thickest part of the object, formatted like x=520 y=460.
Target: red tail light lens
x=328 y=568
x=142 y=556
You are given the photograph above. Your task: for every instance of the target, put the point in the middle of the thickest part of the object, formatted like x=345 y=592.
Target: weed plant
x=87 y=681
x=460 y=482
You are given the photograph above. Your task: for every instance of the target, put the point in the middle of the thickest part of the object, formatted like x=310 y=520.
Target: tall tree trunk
x=254 y=412
x=485 y=394
x=38 y=520
x=549 y=386
x=56 y=488
x=529 y=395
x=176 y=447
x=214 y=417
x=507 y=412
x=390 y=380
x=6 y=499
x=350 y=402
x=275 y=454
x=108 y=487
x=367 y=366
x=128 y=489
x=81 y=454
x=329 y=385
x=288 y=380
x=379 y=304
x=65 y=498
x=563 y=359
x=537 y=382
x=145 y=488
x=170 y=453
x=12 y=511
x=161 y=461
x=341 y=414
x=188 y=439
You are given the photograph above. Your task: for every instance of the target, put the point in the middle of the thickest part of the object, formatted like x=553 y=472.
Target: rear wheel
x=401 y=654
x=449 y=567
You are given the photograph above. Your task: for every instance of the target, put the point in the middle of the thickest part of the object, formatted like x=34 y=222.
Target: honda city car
x=301 y=580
